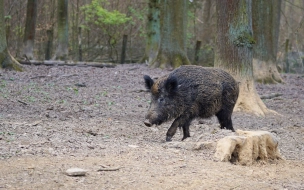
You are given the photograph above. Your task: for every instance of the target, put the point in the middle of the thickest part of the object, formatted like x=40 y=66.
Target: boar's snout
x=147 y=123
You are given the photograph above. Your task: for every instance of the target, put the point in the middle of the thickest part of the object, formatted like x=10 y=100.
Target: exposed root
x=249 y=100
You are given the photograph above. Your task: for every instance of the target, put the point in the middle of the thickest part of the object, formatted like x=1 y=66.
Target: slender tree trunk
x=173 y=28
x=124 y=48
x=79 y=44
x=266 y=23
x=49 y=44
x=206 y=34
x=196 y=51
x=30 y=29
x=6 y=60
x=234 y=51
x=63 y=31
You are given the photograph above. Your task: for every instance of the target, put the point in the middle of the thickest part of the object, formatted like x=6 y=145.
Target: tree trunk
x=79 y=44
x=153 y=32
x=30 y=28
x=207 y=34
x=63 y=31
x=49 y=44
x=196 y=51
x=234 y=51
x=173 y=28
x=265 y=23
x=123 y=49
x=6 y=60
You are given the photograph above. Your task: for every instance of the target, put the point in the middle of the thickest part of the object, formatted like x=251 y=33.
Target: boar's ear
x=148 y=82
x=171 y=84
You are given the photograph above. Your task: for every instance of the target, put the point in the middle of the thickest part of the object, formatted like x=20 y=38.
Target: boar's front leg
x=184 y=122
x=224 y=118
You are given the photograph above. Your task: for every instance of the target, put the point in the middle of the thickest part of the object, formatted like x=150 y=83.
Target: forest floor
x=56 y=118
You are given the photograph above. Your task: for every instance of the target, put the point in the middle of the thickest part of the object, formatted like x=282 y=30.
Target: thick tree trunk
x=207 y=35
x=205 y=32
x=63 y=31
x=173 y=25
x=153 y=32
x=234 y=51
x=30 y=28
x=265 y=23
x=6 y=60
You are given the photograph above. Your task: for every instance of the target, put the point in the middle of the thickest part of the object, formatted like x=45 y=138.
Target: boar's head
x=164 y=99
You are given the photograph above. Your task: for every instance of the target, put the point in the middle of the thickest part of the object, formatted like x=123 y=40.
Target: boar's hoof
x=147 y=123
x=168 y=138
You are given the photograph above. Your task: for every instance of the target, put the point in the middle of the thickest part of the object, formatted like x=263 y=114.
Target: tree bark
x=265 y=23
x=63 y=31
x=123 y=49
x=30 y=29
x=153 y=32
x=49 y=44
x=206 y=33
x=206 y=25
x=173 y=28
x=6 y=60
x=234 y=51
x=79 y=44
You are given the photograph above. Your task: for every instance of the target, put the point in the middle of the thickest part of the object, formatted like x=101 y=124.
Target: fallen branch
x=270 y=96
x=42 y=76
x=140 y=90
x=65 y=63
x=106 y=168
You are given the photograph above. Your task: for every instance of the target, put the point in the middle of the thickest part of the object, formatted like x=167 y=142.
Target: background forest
x=55 y=116
x=96 y=29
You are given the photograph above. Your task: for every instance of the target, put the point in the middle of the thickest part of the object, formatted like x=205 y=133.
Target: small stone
x=76 y=172
x=133 y=146
x=154 y=129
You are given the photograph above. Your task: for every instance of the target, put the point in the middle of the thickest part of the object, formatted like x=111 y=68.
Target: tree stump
x=248 y=147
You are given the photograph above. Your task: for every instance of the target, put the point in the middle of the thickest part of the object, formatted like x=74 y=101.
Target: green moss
x=244 y=39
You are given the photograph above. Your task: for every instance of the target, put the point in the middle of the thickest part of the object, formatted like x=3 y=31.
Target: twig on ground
x=22 y=102
x=140 y=90
x=106 y=168
x=270 y=96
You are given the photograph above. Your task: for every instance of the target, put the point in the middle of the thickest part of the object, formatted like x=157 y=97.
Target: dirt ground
x=56 y=118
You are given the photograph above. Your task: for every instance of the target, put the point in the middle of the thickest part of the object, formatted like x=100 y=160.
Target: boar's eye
x=160 y=100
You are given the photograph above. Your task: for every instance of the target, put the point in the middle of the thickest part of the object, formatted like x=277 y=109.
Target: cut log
x=248 y=147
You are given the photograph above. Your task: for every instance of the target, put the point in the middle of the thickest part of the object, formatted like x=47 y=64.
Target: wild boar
x=191 y=92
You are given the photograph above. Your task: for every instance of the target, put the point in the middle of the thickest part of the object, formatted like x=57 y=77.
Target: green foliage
x=139 y=16
x=7 y=17
x=99 y=16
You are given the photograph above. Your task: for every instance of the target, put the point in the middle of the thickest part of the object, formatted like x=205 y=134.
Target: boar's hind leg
x=224 y=118
x=182 y=121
